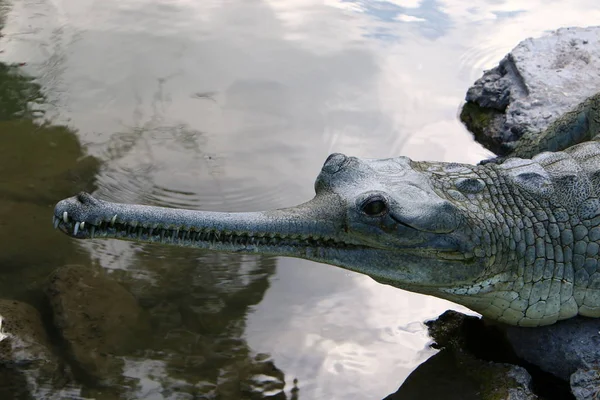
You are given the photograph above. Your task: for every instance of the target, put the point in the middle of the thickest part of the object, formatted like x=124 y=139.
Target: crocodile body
x=515 y=239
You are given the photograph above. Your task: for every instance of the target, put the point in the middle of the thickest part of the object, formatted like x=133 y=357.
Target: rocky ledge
x=484 y=360
x=537 y=82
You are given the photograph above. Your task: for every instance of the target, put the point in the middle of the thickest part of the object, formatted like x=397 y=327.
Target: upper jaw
x=83 y=216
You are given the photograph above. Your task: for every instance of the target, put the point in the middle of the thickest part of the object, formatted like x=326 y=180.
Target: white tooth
x=56 y=222
x=82 y=225
x=65 y=217
x=112 y=220
x=76 y=229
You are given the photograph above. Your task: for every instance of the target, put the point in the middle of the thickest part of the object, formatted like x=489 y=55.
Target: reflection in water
x=234 y=106
x=197 y=305
x=197 y=312
x=19 y=94
x=38 y=162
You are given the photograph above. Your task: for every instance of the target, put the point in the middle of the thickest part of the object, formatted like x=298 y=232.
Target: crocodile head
x=383 y=218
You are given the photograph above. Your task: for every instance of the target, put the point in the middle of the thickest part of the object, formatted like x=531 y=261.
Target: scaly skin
x=516 y=241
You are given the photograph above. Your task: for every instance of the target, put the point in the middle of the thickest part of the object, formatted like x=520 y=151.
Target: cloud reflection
x=235 y=106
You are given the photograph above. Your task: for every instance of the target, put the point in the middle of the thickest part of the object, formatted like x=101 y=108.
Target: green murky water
x=233 y=105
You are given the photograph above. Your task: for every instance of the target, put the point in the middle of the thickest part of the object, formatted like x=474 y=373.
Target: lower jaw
x=301 y=248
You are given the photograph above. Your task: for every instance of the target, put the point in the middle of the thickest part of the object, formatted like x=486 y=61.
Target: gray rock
x=560 y=349
x=28 y=366
x=99 y=320
x=538 y=81
x=521 y=383
x=586 y=384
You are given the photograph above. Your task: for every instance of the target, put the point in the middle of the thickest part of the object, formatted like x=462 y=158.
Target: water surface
x=234 y=106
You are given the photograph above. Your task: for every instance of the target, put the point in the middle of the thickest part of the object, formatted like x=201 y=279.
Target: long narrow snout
x=291 y=231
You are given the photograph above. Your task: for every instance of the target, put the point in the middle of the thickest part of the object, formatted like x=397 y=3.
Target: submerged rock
x=28 y=366
x=97 y=318
x=482 y=359
x=464 y=369
x=538 y=81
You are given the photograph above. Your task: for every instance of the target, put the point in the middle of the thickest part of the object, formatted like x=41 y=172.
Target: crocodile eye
x=374 y=207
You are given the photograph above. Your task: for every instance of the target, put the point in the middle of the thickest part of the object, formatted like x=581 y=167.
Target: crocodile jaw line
x=280 y=232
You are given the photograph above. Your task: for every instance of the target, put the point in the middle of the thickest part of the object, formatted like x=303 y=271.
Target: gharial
x=515 y=239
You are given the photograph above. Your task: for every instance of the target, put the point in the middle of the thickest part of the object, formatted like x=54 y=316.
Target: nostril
x=84 y=198
x=334 y=163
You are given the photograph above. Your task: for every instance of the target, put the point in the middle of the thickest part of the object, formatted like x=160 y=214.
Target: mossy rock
x=98 y=320
x=481 y=121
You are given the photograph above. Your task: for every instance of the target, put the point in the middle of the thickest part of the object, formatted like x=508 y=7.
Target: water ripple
x=485 y=54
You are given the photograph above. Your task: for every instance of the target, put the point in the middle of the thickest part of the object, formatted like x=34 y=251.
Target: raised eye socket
x=374 y=207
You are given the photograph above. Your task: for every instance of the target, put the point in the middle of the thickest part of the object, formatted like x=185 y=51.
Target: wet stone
x=458 y=370
x=98 y=320
x=585 y=383
x=29 y=367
